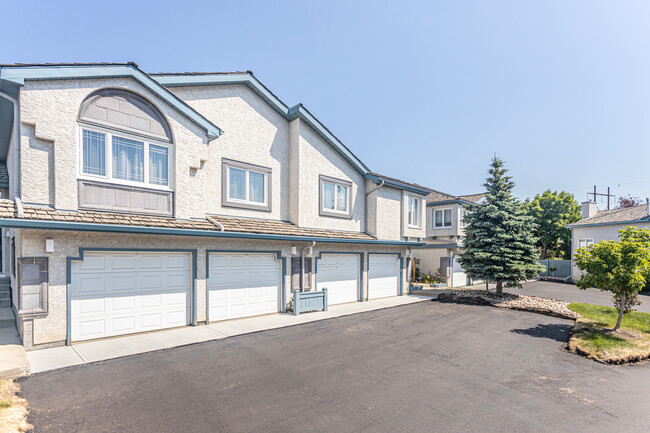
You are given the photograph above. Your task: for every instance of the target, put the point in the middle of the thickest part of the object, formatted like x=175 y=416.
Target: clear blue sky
x=423 y=91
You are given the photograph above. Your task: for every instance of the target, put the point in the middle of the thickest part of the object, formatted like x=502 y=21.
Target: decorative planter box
x=438 y=285
x=304 y=302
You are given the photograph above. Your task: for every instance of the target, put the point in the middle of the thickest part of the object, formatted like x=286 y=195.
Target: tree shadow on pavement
x=554 y=331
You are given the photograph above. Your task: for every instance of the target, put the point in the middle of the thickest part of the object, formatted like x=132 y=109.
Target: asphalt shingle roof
x=230 y=224
x=614 y=215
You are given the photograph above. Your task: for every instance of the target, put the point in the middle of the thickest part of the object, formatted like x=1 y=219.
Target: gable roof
x=438 y=197
x=289 y=113
x=19 y=73
x=615 y=216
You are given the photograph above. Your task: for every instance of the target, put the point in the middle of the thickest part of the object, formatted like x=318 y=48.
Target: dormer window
x=441 y=218
x=125 y=140
x=127 y=160
x=335 y=197
x=246 y=185
x=414 y=213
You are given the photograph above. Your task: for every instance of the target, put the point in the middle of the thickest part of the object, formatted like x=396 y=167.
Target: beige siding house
x=603 y=225
x=444 y=236
x=133 y=202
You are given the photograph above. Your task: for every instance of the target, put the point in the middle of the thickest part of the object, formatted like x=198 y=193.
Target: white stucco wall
x=389 y=213
x=429 y=258
x=455 y=229
x=597 y=233
x=414 y=233
x=51 y=109
x=52 y=327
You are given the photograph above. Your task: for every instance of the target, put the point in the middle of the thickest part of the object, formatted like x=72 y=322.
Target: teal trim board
x=360 y=291
x=80 y=258
x=278 y=255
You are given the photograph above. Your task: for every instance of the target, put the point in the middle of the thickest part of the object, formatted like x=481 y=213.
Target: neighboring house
x=444 y=237
x=136 y=202
x=600 y=225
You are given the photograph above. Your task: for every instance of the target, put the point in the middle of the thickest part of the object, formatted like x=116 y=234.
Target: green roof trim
x=20 y=74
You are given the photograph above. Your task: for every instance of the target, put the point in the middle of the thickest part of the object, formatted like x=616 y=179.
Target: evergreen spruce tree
x=500 y=245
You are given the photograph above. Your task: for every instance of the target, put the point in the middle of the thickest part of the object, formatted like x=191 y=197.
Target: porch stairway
x=5 y=292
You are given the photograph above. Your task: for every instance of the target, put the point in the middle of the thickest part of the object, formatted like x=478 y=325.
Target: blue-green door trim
x=401 y=270
x=360 y=293
x=80 y=258
x=278 y=255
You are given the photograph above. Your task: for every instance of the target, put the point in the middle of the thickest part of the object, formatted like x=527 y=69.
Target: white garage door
x=383 y=275
x=458 y=277
x=123 y=293
x=242 y=285
x=339 y=273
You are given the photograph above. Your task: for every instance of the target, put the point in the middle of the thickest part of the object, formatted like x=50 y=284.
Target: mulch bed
x=549 y=307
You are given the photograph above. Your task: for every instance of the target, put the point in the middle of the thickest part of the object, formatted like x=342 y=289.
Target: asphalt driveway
x=424 y=367
x=571 y=293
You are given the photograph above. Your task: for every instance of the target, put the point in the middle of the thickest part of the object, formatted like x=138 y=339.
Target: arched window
x=125 y=139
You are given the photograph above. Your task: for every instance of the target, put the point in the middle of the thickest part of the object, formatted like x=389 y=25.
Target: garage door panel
x=242 y=285
x=383 y=275
x=125 y=297
x=125 y=262
x=339 y=273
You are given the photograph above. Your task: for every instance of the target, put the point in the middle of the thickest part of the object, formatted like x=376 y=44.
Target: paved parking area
x=419 y=368
x=571 y=293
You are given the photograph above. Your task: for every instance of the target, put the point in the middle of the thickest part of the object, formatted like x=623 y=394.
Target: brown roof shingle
x=230 y=224
x=613 y=216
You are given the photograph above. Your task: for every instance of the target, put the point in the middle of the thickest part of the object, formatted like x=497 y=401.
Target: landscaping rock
x=511 y=301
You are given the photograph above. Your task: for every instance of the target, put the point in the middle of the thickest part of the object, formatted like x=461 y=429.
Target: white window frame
x=586 y=241
x=463 y=213
x=108 y=159
x=245 y=203
x=443 y=219
x=417 y=212
x=335 y=212
x=247 y=173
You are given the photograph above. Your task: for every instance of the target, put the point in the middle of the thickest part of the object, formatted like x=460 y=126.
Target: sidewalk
x=100 y=350
x=13 y=361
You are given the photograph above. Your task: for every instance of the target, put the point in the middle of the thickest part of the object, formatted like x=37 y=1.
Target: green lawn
x=607 y=316
x=590 y=341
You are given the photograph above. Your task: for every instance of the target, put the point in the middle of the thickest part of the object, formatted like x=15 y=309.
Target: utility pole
x=600 y=194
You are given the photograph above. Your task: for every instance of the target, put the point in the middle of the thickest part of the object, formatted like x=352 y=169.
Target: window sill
x=244 y=205
x=325 y=213
x=118 y=182
x=32 y=313
x=441 y=228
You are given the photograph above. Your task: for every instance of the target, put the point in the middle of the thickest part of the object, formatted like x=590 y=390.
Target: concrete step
x=5 y=295
x=5 y=303
x=7 y=317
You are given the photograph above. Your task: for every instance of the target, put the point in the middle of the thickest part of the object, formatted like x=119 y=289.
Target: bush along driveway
x=592 y=336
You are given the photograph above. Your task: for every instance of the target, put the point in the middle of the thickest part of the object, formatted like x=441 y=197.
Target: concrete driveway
x=571 y=293
x=419 y=368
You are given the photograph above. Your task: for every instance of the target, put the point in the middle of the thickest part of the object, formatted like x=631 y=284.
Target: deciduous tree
x=620 y=267
x=552 y=211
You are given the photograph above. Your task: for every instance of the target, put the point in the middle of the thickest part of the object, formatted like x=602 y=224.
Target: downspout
x=365 y=202
x=16 y=137
x=302 y=265
x=215 y=222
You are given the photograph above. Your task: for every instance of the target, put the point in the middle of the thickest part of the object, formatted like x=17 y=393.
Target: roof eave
x=399 y=185
x=612 y=223
x=20 y=74
x=116 y=228
x=456 y=201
